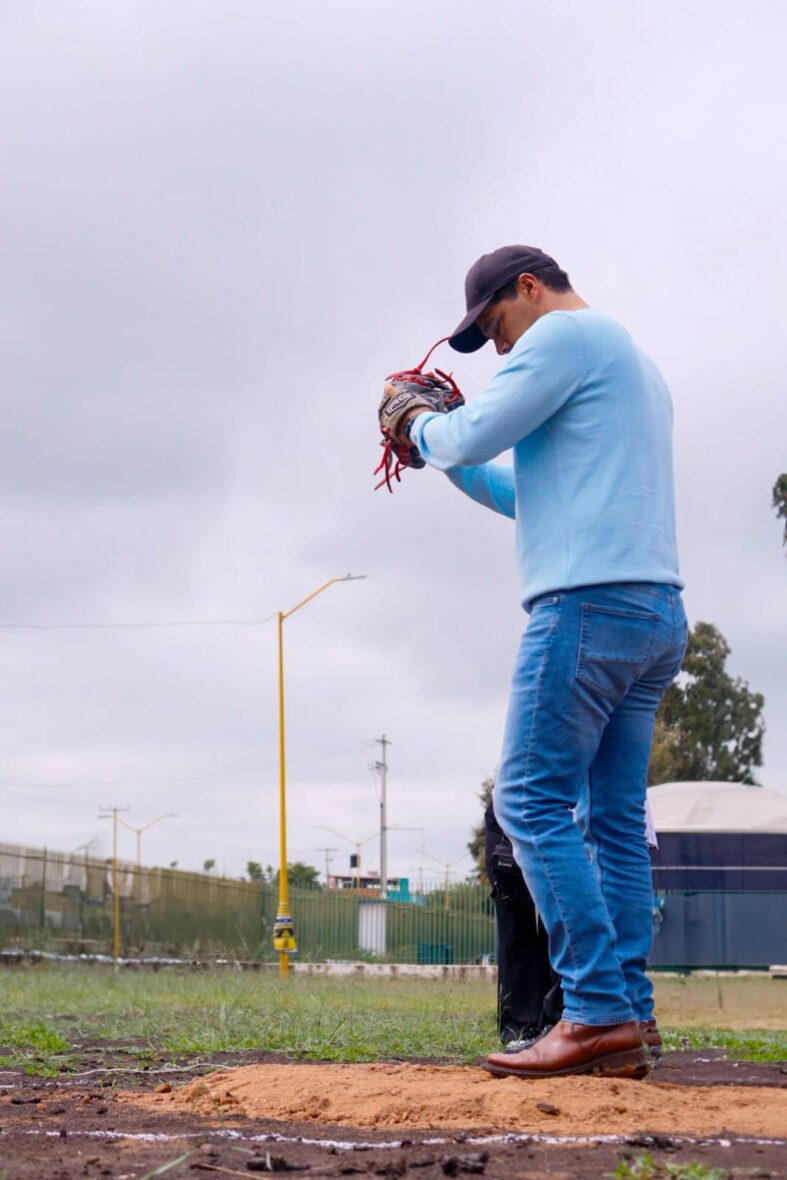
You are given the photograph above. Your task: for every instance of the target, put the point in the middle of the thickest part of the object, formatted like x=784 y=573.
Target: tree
x=299 y=875
x=779 y=502
x=476 y=844
x=709 y=725
x=302 y=876
x=208 y=865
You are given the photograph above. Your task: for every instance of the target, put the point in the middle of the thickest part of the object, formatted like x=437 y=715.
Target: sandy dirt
x=403 y=1097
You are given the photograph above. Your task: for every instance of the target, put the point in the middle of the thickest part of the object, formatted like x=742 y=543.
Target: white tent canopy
x=717 y=807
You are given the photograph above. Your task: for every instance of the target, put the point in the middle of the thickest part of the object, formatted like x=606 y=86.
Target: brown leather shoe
x=651 y=1037
x=614 y=1050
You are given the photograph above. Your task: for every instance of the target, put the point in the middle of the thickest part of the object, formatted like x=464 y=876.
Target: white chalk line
x=394 y=1144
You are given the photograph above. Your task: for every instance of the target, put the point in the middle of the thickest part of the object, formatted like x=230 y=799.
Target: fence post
x=83 y=899
x=43 y=892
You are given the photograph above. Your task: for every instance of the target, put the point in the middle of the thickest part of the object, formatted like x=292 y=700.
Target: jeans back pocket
x=615 y=647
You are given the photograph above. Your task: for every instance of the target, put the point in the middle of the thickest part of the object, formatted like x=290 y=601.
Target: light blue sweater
x=589 y=418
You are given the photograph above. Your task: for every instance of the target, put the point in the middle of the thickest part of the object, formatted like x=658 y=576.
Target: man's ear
x=527 y=286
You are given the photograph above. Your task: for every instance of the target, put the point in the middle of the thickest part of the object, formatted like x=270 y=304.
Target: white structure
x=717 y=807
x=372 y=926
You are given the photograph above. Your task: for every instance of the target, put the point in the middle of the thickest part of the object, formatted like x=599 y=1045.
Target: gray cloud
x=221 y=227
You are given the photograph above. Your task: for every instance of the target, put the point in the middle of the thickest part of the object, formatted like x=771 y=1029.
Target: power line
x=144 y=781
x=138 y=781
x=60 y=803
x=136 y=626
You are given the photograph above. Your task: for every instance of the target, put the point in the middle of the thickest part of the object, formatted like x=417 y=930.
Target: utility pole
x=385 y=828
x=112 y=813
x=382 y=766
x=327 y=852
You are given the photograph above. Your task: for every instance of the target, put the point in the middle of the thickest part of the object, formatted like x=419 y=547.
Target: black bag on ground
x=529 y=995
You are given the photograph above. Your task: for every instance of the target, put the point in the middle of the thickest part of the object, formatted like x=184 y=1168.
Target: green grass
x=35 y=1035
x=219 y=1011
x=644 y=1167
x=50 y=1012
x=44 y=1052
x=742 y=1045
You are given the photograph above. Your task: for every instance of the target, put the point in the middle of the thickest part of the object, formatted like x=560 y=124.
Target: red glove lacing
x=396 y=455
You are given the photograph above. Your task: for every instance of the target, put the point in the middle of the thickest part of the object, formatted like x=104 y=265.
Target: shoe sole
x=631 y=1064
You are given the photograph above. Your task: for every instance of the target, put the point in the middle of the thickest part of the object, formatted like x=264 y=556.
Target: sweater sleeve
x=491 y=485
x=542 y=371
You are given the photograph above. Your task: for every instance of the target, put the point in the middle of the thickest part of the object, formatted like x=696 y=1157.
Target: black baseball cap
x=484 y=278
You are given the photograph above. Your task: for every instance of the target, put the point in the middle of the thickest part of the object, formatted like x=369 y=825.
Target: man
x=529 y=995
x=589 y=419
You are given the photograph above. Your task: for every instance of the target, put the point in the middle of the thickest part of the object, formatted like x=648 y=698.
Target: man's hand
x=404 y=434
x=405 y=396
x=408 y=395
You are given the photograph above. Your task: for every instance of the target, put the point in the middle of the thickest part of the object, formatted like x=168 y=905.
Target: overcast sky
x=223 y=223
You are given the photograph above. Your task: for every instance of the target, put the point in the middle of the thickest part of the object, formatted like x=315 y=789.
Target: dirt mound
x=445 y=1097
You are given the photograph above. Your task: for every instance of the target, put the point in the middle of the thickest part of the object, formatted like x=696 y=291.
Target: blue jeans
x=591 y=670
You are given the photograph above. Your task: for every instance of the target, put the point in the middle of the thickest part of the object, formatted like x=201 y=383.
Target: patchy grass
x=644 y=1167
x=42 y=1050
x=220 y=1011
x=52 y=1012
x=739 y=1045
x=37 y=1035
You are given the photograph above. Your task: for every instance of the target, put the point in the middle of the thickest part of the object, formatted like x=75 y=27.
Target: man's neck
x=563 y=301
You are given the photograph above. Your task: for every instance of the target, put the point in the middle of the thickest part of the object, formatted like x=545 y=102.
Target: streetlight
x=87 y=846
x=144 y=828
x=446 y=865
x=283 y=935
x=357 y=844
x=138 y=884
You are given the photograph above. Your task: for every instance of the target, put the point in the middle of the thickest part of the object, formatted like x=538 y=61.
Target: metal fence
x=727 y=913
x=65 y=902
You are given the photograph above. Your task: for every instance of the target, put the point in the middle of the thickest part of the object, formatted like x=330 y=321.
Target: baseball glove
x=410 y=389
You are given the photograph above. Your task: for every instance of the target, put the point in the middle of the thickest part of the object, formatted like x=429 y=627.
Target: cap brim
x=468 y=337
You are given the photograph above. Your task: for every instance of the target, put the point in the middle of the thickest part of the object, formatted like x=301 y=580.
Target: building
x=398 y=887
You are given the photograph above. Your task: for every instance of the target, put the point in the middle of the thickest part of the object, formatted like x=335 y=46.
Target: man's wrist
x=409 y=422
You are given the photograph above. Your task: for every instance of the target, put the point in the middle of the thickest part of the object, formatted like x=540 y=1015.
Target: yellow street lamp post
x=112 y=813
x=447 y=865
x=284 y=942
x=357 y=845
